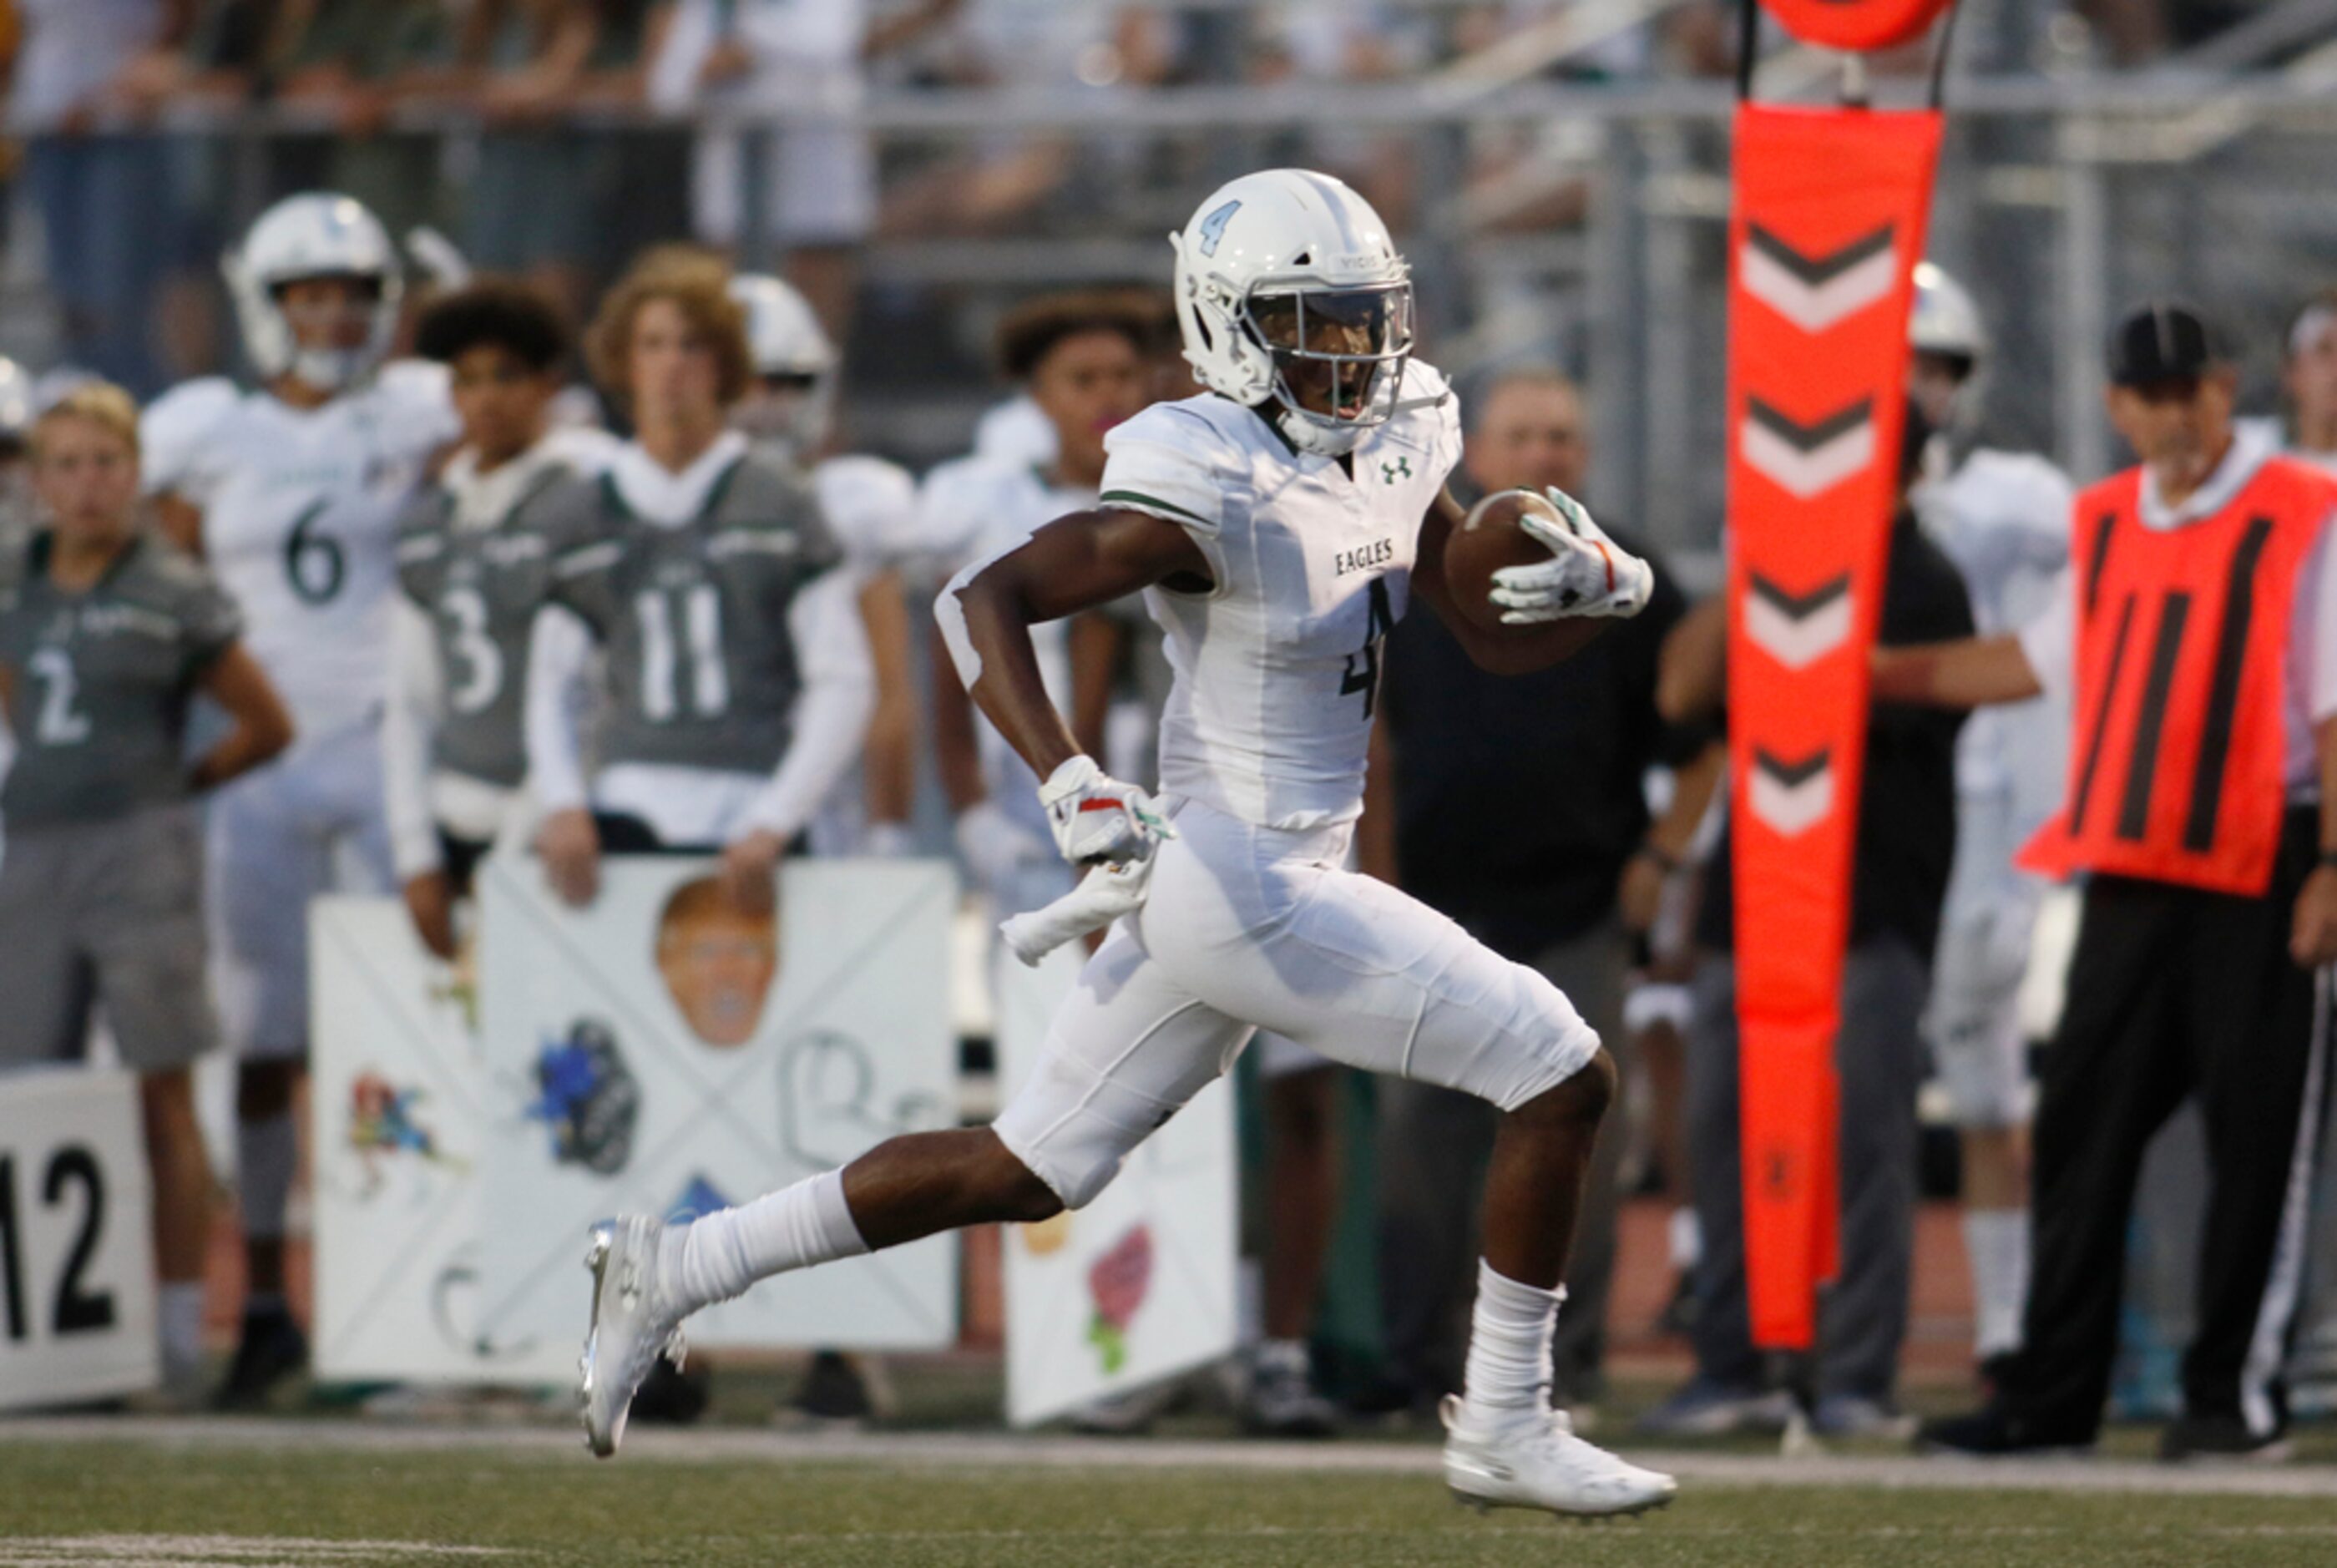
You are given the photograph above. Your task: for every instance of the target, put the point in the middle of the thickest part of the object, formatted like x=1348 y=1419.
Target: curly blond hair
x=697 y=282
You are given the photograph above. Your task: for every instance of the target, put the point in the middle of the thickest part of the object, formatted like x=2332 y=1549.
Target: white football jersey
x=300 y=510
x=1269 y=718
x=2004 y=519
x=871 y=507
x=974 y=507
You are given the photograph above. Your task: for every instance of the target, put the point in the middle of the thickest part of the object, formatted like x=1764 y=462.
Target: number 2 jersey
x=1276 y=666
x=300 y=511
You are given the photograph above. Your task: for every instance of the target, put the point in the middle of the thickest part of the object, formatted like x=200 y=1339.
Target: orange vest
x=2179 y=748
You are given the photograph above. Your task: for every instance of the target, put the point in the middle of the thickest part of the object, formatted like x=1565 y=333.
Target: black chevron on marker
x=1792 y=773
x=1799 y=606
x=1818 y=270
x=1807 y=439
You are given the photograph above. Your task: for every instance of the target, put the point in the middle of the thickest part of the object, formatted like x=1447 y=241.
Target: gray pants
x=1881 y=1057
x=1432 y=1147
x=108 y=913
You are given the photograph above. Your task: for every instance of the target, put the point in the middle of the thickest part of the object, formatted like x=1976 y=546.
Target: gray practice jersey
x=481 y=588
x=102 y=680
x=702 y=671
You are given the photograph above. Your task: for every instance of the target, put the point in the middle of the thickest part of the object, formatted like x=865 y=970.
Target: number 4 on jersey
x=1367 y=680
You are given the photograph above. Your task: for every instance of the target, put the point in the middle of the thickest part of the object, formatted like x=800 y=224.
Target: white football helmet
x=317 y=234
x=20 y=401
x=793 y=358
x=1946 y=322
x=1290 y=270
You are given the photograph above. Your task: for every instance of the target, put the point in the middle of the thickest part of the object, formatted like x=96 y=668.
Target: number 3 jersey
x=300 y=511
x=1277 y=666
x=102 y=678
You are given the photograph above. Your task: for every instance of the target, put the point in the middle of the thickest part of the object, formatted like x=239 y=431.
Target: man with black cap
x=2194 y=640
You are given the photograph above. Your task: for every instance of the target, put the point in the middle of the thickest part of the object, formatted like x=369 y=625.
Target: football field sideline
x=950 y=1450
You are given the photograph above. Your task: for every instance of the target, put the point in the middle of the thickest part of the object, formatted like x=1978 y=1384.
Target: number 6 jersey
x=300 y=510
x=1277 y=666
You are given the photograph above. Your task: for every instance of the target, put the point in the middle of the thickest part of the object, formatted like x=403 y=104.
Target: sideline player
x=1081 y=360
x=870 y=506
x=471 y=569
x=292 y=490
x=104 y=633
x=2003 y=518
x=1278 y=523
x=737 y=668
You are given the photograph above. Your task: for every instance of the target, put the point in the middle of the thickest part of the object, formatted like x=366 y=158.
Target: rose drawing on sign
x=1117 y=1283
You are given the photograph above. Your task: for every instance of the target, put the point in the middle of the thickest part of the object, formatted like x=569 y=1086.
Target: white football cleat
x=632 y=1325
x=1544 y=1466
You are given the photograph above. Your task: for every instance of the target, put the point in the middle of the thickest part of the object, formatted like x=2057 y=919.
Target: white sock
x=1683 y=1234
x=718 y=1256
x=1507 y=1382
x=1997 y=1243
x=265 y=1153
x=179 y=1313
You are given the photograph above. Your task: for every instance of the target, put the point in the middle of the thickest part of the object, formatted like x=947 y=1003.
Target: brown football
x=1487 y=540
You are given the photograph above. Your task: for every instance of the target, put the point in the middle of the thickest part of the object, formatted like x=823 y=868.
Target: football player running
x=2003 y=518
x=291 y=490
x=870 y=508
x=471 y=570
x=1278 y=523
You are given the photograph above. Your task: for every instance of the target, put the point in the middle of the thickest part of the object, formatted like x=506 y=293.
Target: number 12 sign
x=76 y=1261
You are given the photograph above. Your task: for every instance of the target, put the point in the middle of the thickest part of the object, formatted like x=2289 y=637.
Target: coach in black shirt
x=1517 y=806
x=1899 y=879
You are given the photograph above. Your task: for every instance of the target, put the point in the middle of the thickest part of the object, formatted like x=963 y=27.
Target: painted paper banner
x=1139 y=1285
x=1827 y=227
x=398 y=1106
x=657 y=1054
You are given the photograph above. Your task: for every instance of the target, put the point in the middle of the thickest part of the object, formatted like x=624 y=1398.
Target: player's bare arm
x=263 y=729
x=2312 y=939
x=1074 y=564
x=1972 y=672
x=1512 y=649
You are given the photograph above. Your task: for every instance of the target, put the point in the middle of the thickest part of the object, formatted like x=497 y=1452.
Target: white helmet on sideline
x=1288 y=268
x=1945 y=321
x=317 y=234
x=785 y=339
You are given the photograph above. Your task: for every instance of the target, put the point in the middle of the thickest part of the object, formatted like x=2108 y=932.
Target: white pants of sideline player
x=1248 y=927
x=307 y=825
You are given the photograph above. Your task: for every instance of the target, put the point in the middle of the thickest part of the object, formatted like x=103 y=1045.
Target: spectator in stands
x=106 y=633
x=812 y=187
x=1518 y=806
x=94 y=190
x=359 y=59
x=471 y=568
x=1899 y=881
x=540 y=181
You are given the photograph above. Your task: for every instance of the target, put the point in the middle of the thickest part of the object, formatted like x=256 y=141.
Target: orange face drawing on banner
x=1856 y=25
x=717 y=961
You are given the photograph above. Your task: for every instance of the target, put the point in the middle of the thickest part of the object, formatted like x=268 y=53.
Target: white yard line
x=996 y=1450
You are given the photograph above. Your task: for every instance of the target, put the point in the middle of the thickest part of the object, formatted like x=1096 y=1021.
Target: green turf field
x=203 y=1507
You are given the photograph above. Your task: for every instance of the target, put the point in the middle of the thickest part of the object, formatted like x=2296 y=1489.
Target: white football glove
x=994 y=846
x=1099 y=819
x=1105 y=894
x=1586 y=573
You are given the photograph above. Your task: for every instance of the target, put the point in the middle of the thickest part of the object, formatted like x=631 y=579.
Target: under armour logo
x=1400 y=468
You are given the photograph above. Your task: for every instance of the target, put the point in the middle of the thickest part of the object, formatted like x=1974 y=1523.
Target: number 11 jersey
x=1276 y=666
x=300 y=510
